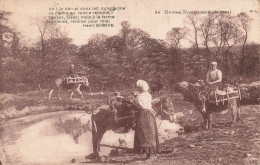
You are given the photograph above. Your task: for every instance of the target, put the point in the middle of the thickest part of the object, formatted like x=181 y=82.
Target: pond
x=59 y=137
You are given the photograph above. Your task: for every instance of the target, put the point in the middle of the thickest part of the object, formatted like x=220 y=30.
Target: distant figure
x=72 y=71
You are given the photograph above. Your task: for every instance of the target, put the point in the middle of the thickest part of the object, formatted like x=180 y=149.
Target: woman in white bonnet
x=146 y=134
x=213 y=79
x=214 y=75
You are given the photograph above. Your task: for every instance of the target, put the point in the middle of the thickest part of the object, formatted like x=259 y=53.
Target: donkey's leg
x=204 y=115
x=100 y=136
x=209 y=120
x=96 y=139
x=205 y=119
x=71 y=94
x=238 y=110
x=79 y=91
x=50 y=94
x=233 y=107
x=97 y=134
x=59 y=94
x=206 y=122
x=234 y=118
x=81 y=94
x=95 y=143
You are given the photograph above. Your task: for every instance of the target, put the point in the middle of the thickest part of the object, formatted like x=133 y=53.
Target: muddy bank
x=220 y=145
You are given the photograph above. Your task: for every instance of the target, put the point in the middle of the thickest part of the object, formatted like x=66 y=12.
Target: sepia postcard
x=129 y=82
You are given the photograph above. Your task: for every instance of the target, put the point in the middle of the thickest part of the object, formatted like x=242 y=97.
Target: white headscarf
x=143 y=85
x=144 y=99
x=214 y=63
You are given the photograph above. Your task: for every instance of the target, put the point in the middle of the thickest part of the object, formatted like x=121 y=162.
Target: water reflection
x=59 y=139
x=73 y=127
x=54 y=140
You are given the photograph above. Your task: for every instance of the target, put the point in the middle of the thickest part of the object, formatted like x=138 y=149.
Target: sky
x=140 y=13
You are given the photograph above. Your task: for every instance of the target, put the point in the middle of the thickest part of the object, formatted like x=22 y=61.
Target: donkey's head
x=192 y=94
x=85 y=81
x=164 y=107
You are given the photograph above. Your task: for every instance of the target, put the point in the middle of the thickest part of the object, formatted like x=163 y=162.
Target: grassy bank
x=24 y=104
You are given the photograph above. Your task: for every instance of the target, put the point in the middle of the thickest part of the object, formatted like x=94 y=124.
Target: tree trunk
x=242 y=60
x=1 y=61
x=196 y=42
x=243 y=55
x=226 y=64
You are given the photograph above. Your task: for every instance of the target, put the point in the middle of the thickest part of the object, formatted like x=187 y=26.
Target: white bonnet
x=214 y=63
x=143 y=85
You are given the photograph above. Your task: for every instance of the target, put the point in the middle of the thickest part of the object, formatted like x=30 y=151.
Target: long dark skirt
x=146 y=134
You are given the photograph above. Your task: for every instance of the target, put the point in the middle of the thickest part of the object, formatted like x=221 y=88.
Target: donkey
x=206 y=108
x=104 y=120
x=61 y=84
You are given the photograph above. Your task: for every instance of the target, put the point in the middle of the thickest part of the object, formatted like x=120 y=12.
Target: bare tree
x=42 y=24
x=244 y=22
x=135 y=38
x=126 y=27
x=225 y=34
x=193 y=20
x=173 y=39
x=132 y=37
x=222 y=32
x=47 y=31
x=218 y=31
x=175 y=35
x=55 y=31
x=15 y=42
x=207 y=25
x=231 y=36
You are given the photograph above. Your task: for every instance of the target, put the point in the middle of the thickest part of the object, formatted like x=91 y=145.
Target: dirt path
x=221 y=145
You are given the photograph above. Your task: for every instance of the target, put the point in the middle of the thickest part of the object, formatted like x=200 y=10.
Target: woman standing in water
x=146 y=134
